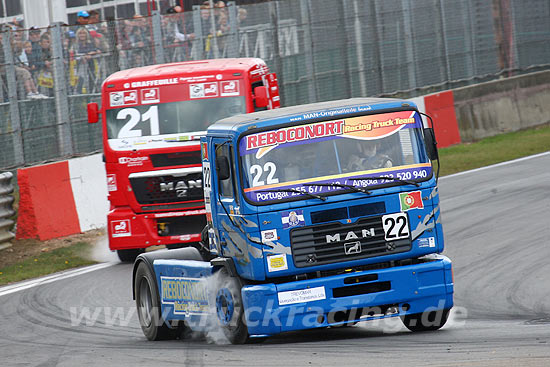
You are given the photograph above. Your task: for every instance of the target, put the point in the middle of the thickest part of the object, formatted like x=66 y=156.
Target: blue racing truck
x=318 y=215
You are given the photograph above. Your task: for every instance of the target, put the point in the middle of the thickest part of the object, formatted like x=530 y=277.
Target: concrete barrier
x=62 y=198
x=6 y=209
x=501 y=106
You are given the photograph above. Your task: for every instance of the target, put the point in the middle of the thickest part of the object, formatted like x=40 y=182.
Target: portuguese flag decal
x=411 y=200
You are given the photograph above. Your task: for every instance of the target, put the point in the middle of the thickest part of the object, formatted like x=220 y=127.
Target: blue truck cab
x=318 y=215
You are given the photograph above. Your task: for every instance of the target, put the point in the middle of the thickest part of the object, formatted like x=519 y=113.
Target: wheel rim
x=145 y=301
x=225 y=306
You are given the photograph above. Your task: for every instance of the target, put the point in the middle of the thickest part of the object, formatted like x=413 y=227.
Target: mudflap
x=185 y=292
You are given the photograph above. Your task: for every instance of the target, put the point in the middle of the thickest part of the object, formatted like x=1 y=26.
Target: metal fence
x=321 y=50
x=6 y=209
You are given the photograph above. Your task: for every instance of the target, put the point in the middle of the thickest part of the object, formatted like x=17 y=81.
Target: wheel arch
x=187 y=253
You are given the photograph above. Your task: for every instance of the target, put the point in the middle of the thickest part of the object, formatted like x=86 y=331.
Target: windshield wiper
x=386 y=178
x=335 y=184
x=297 y=192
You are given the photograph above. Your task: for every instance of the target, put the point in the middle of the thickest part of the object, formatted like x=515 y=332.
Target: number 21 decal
x=395 y=226
x=128 y=131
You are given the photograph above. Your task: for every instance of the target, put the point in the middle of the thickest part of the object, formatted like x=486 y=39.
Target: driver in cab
x=368 y=157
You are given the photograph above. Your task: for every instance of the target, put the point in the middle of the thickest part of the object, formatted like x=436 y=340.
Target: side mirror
x=93 y=113
x=431 y=144
x=222 y=168
x=261 y=99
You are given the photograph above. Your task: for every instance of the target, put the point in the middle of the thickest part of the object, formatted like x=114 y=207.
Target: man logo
x=351 y=248
x=181 y=187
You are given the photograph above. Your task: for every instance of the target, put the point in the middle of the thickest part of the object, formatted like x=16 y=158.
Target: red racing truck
x=153 y=118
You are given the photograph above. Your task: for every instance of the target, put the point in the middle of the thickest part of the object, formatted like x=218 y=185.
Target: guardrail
x=6 y=209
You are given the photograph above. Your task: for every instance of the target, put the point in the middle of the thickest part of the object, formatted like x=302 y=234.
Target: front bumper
x=350 y=297
x=128 y=230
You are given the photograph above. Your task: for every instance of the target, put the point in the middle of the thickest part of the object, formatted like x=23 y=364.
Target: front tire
x=152 y=324
x=129 y=256
x=426 y=321
x=230 y=309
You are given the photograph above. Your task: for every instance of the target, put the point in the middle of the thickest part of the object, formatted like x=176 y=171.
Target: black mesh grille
x=192 y=224
x=327 y=243
x=167 y=189
x=355 y=211
x=176 y=159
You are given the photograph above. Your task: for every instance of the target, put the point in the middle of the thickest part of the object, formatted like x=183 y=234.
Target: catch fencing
x=321 y=50
x=6 y=209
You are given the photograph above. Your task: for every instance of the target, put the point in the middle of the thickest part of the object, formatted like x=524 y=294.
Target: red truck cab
x=153 y=118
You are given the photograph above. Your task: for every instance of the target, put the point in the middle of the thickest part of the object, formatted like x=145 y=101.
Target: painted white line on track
x=52 y=278
x=496 y=165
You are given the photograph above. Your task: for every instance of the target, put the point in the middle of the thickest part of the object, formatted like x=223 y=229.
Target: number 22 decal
x=257 y=171
x=395 y=226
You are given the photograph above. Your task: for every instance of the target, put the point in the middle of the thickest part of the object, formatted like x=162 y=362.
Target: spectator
x=82 y=18
x=23 y=77
x=242 y=17
x=83 y=50
x=35 y=58
x=45 y=76
x=179 y=36
x=174 y=9
x=20 y=55
x=27 y=48
x=93 y=21
x=99 y=41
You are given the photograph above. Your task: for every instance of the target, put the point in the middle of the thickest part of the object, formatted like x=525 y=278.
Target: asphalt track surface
x=497 y=231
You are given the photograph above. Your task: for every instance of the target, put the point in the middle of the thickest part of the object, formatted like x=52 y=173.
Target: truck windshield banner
x=169 y=114
x=333 y=155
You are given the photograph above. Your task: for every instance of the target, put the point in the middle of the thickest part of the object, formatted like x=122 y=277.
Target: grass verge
x=496 y=149
x=47 y=263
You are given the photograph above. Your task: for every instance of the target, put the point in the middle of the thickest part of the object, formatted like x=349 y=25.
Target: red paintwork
x=172 y=81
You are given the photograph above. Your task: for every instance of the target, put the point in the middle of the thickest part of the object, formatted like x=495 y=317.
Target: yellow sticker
x=276 y=262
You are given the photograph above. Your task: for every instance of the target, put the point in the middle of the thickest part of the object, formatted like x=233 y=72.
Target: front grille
x=178 y=226
x=328 y=243
x=355 y=290
x=178 y=206
x=354 y=211
x=176 y=159
x=167 y=188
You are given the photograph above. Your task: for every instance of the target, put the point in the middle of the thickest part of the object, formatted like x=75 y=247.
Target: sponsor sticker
x=411 y=200
x=121 y=228
x=188 y=296
x=426 y=242
x=203 y=90
x=293 y=218
x=301 y=295
x=276 y=262
x=129 y=97
x=111 y=182
x=269 y=235
x=132 y=161
x=151 y=83
x=229 y=88
x=150 y=95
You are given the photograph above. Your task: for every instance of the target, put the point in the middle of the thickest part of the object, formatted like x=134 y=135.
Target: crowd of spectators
x=93 y=49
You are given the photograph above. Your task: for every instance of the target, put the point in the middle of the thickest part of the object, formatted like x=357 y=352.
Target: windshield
x=356 y=152
x=164 y=123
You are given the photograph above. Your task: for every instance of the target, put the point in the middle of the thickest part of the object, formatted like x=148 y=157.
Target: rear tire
x=426 y=321
x=152 y=324
x=230 y=309
x=129 y=256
